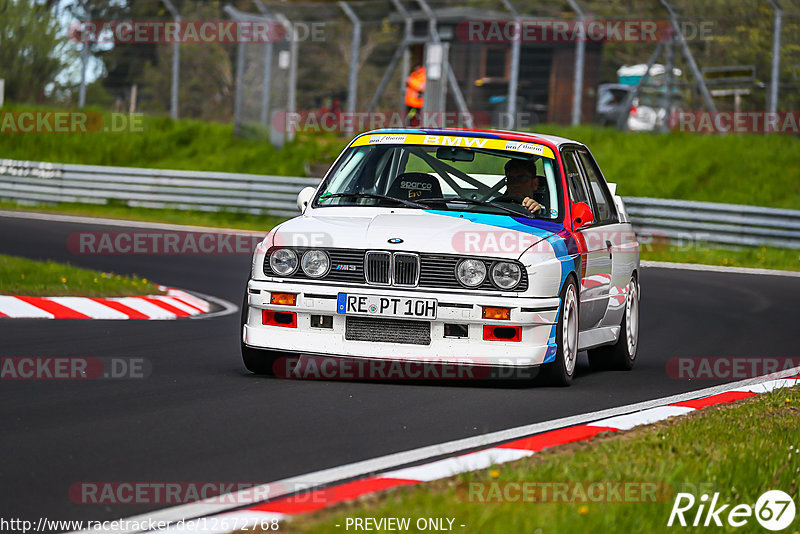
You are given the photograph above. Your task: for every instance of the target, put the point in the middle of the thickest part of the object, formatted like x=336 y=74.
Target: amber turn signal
x=496 y=314
x=286 y=299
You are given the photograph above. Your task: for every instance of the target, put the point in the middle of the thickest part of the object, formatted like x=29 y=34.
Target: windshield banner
x=454 y=141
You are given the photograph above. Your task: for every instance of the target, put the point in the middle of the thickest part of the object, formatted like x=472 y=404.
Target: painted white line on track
x=718 y=268
x=324 y=477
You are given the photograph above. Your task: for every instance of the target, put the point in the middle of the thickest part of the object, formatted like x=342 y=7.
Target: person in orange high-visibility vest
x=415 y=88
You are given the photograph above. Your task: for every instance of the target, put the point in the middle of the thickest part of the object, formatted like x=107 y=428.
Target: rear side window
x=599 y=191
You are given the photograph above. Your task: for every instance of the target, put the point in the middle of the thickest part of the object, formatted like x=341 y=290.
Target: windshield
x=453 y=178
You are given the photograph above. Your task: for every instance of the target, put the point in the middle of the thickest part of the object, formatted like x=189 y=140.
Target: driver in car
x=522 y=181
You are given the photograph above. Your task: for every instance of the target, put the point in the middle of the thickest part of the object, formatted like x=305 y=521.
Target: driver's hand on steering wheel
x=531 y=205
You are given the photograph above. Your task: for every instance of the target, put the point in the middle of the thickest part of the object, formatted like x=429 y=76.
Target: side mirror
x=304 y=197
x=581 y=215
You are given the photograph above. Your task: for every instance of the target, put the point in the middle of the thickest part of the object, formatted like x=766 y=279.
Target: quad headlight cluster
x=503 y=274
x=470 y=272
x=314 y=263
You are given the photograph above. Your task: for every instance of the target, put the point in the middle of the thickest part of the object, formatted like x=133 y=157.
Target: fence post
x=776 y=56
x=84 y=61
x=267 y=79
x=580 y=54
x=513 y=79
x=687 y=54
x=176 y=61
x=355 y=43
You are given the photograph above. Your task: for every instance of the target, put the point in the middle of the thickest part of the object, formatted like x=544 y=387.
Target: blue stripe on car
x=535 y=227
x=566 y=250
x=563 y=243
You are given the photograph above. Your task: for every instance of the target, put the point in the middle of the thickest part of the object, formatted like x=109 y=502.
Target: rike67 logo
x=774 y=510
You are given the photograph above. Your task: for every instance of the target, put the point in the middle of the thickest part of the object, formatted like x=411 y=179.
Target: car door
x=596 y=277
x=619 y=235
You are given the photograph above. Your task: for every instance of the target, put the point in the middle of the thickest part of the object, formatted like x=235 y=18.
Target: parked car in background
x=647 y=111
x=611 y=102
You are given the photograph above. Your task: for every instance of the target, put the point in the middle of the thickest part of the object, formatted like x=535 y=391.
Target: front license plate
x=351 y=304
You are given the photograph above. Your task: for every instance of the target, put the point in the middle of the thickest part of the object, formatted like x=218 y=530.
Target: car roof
x=551 y=140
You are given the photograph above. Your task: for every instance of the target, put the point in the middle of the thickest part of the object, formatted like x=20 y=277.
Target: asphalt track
x=201 y=417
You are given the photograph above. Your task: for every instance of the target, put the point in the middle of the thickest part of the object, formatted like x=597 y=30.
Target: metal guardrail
x=152 y=188
x=711 y=222
x=681 y=221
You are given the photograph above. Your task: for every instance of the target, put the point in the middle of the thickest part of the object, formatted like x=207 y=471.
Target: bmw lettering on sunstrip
x=394 y=280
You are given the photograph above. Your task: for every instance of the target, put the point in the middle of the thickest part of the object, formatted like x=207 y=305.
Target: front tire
x=622 y=355
x=561 y=371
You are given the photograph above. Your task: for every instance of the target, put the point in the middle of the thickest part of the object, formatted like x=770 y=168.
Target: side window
x=577 y=191
x=602 y=198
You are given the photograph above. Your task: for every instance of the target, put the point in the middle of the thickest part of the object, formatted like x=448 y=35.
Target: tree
x=125 y=62
x=206 y=83
x=31 y=51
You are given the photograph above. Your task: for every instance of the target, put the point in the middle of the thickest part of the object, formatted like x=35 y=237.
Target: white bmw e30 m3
x=502 y=249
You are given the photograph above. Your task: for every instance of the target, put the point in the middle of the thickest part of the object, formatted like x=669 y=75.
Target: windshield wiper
x=372 y=195
x=478 y=203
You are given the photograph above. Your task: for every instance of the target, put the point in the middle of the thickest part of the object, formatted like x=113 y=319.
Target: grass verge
x=740 y=450
x=24 y=277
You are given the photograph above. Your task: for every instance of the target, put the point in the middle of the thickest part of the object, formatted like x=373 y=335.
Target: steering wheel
x=517 y=203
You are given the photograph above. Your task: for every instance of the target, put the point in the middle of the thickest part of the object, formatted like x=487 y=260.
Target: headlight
x=506 y=275
x=283 y=261
x=471 y=273
x=316 y=263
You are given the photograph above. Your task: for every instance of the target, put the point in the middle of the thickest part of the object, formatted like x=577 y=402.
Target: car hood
x=431 y=231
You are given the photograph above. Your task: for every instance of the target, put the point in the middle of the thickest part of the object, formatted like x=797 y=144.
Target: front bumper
x=536 y=318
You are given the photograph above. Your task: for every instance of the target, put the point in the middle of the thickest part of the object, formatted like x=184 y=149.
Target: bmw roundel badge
x=395 y=240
